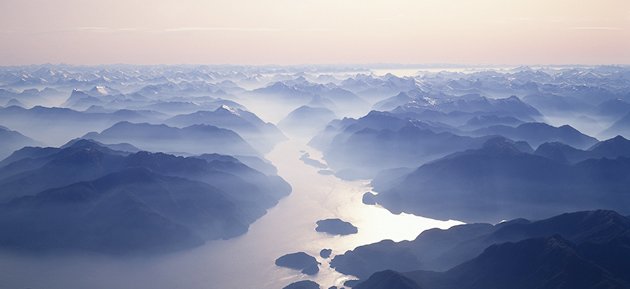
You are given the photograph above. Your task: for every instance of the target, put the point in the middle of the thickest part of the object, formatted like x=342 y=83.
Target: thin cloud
x=107 y=29
x=232 y=29
x=102 y=29
x=610 y=28
x=92 y=28
x=396 y=17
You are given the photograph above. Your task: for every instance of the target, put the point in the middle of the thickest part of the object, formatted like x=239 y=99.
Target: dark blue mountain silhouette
x=500 y=181
x=86 y=196
x=440 y=250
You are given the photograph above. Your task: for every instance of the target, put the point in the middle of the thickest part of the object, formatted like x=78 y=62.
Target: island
x=336 y=227
x=301 y=261
x=304 y=284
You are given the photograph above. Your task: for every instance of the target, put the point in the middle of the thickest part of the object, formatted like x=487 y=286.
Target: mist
x=203 y=176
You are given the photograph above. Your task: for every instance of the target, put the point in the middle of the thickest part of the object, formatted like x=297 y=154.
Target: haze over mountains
x=190 y=162
x=580 y=250
x=499 y=182
x=88 y=197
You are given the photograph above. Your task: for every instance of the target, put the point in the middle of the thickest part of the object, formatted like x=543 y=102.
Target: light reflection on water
x=290 y=226
x=246 y=262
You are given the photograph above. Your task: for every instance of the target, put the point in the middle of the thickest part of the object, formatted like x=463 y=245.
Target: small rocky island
x=325 y=253
x=369 y=198
x=336 y=227
x=301 y=261
x=306 y=158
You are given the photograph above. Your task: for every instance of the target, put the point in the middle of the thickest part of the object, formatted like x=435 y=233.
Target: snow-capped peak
x=230 y=109
x=101 y=90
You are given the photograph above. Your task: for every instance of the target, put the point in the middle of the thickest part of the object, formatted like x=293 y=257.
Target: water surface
x=245 y=262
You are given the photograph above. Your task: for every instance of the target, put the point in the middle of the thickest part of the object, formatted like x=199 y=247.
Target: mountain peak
x=79 y=143
x=617 y=144
x=226 y=108
x=388 y=279
x=14 y=102
x=501 y=145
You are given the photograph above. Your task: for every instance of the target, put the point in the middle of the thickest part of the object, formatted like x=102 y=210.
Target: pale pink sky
x=315 y=31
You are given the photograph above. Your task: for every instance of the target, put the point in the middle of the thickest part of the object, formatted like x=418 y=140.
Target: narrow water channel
x=245 y=262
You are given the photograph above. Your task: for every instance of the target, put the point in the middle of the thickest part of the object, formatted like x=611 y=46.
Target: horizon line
x=356 y=65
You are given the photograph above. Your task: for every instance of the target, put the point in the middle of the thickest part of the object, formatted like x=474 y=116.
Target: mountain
x=63 y=124
x=550 y=262
x=536 y=133
x=619 y=127
x=611 y=148
x=260 y=134
x=85 y=196
x=613 y=109
x=552 y=103
x=12 y=140
x=433 y=249
x=306 y=120
x=29 y=96
x=122 y=147
x=195 y=139
x=28 y=158
x=387 y=279
x=259 y=164
x=381 y=140
x=300 y=92
x=14 y=102
x=187 y=87
x=481 y=121
x=282 y=91
x=500 y=181
x=38 y=169
x=441 y=250
x=473 y=103
x=80 y=100
x=561 y=152
x=103 y=90
x=402 y=99
x=127 y=212
x=376 y=88
x=186 y=106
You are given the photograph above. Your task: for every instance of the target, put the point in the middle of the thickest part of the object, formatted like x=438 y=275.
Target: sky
x=288 y=32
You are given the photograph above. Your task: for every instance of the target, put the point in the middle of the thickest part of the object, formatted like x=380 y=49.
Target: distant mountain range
x=306 y=120
x=12 y=140
x=538 y=133
x=611 y=148
x=194 y=139
x=298 y=92
x=376 y=88
x=63 y=124
x=621 y=126
x=468 y=103
x=260 y=134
